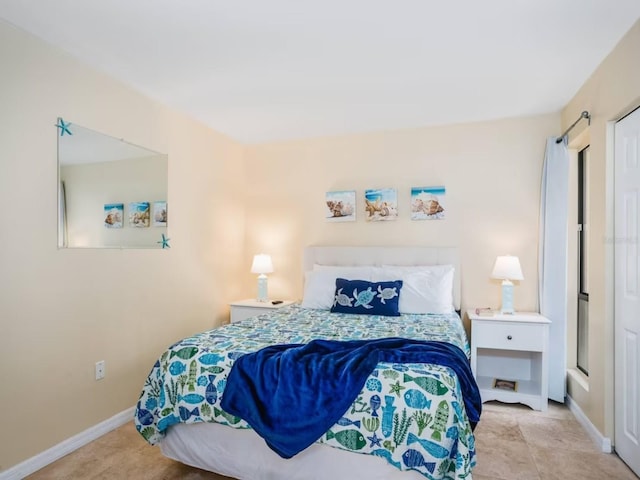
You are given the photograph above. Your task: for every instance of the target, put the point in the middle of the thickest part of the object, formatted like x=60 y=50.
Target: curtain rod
x=584 y=114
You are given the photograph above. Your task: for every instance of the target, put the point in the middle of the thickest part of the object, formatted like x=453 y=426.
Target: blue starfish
x=64 y=127
x=164 y=242
x=374 y=440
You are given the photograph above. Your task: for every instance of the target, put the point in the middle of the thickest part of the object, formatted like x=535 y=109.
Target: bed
x=408 y=421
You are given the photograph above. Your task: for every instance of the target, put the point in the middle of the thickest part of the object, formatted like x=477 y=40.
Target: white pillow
x=425 y=289
x=320 y=285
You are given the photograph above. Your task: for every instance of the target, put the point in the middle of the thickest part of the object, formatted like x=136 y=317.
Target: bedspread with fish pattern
x=412 y=415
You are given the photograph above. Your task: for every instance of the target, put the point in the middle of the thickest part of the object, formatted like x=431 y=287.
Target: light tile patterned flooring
x=516 y=443
x=513 y=443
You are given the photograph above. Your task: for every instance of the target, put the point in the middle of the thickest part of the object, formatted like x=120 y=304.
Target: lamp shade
x=262 y=264
x=507 y=267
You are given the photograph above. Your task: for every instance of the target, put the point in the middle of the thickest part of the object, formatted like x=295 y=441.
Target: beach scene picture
x=427 y=203
x=113 y=215
x=139 y=214
x=381 y=204
x=159 y=214
x=340 y=206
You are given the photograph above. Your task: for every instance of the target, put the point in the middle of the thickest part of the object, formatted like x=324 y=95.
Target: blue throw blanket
x=292 y=394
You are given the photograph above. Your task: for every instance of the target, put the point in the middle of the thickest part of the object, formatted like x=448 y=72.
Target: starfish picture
x=64 y=127
x=164 y=242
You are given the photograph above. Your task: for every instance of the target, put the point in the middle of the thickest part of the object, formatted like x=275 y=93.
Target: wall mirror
x=111 y=193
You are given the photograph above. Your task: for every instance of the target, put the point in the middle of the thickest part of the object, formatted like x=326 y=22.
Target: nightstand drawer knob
x=509 y=337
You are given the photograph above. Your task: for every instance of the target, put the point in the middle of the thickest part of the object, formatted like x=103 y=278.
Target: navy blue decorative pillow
x=371 y=298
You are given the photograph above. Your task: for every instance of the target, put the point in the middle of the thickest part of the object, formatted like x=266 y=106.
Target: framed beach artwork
x=340 y=206
x=159 y=214
x=381 y=204
x=427 y=203
x=113 y=215
x=139 y=214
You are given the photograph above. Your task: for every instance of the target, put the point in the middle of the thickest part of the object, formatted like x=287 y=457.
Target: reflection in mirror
x=112 y=194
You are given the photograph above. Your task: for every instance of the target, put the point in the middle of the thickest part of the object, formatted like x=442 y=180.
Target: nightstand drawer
x=243 y=309
x=509 y=336
x=241 y=313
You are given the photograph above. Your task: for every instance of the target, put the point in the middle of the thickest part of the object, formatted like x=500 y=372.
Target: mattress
x=242 y=454
x=412 y=416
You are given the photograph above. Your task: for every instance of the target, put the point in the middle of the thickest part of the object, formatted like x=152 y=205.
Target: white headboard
x=377 y=256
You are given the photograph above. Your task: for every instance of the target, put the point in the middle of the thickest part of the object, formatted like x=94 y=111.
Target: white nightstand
x=249 y=308
x=511 y=347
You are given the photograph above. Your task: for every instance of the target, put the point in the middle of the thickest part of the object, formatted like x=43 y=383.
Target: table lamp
x=262 y=265
x=507 y=268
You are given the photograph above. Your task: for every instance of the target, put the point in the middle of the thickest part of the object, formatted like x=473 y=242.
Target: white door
x=627 y=290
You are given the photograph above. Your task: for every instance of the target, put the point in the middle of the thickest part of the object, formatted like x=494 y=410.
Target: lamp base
x=507 y=298
x=262 y=288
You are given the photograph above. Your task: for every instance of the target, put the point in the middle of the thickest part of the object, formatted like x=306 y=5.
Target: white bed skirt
x=244 y=455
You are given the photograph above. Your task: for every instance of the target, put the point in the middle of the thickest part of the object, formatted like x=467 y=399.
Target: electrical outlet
x=100 y=370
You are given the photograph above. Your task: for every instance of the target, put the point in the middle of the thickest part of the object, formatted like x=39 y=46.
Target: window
x=583 y=261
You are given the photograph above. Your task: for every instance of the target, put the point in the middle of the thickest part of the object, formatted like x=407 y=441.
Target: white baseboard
x=603 y=442
x=67 y=446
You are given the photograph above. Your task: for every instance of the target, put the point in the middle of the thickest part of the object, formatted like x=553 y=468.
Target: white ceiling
x=263 y=70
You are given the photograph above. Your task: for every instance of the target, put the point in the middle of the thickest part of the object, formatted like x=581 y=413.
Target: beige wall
x=491 y=171
x=611 y=92
x=63 y=310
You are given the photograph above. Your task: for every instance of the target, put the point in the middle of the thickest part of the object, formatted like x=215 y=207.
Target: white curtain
x=552 y=291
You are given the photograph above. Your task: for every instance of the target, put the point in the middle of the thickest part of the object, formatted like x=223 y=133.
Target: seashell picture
x=139 y=214
x=159 y=214
x=113 y=215
x=381 y=204
x=340 y=206
x=427 y=203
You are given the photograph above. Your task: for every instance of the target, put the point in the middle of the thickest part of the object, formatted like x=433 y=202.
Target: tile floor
x=516 y=443
x=513 y=443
